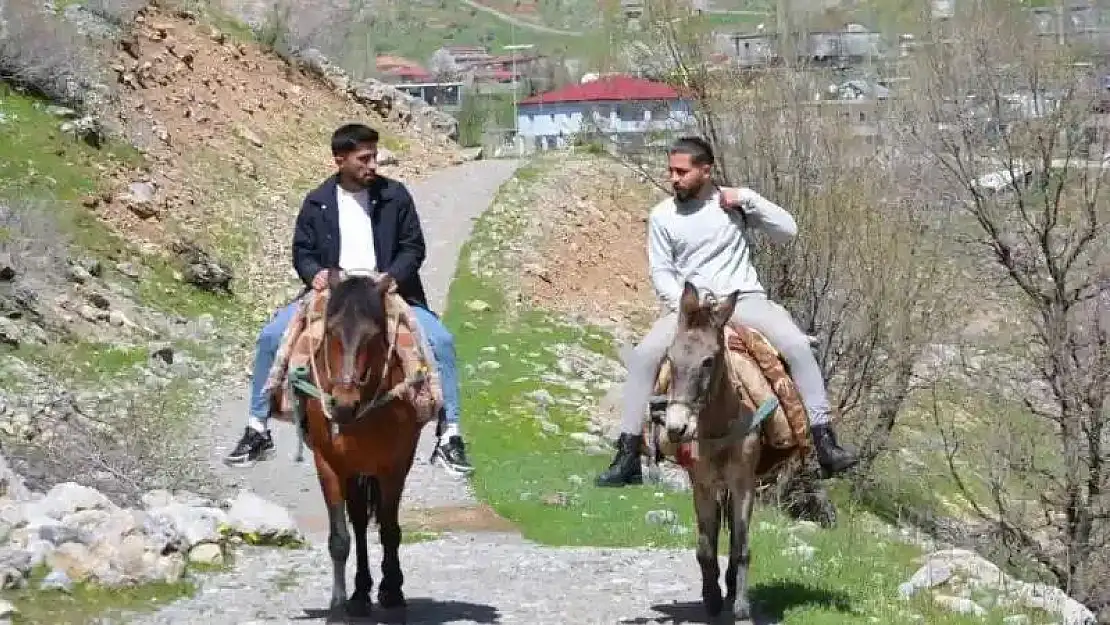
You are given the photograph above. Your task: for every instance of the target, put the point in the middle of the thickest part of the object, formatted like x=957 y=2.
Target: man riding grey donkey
x=699 y=235
x=358 y=219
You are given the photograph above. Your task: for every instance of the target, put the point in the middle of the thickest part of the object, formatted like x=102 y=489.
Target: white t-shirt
x=356 y=231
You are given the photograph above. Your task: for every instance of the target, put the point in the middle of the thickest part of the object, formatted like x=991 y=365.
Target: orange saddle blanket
x=306 y=331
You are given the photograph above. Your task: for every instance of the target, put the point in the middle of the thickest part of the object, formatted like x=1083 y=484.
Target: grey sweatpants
x=755 y=311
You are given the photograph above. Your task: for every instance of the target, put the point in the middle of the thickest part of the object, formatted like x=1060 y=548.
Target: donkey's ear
x=335 y=276
x=723 y=312
x=689 y=304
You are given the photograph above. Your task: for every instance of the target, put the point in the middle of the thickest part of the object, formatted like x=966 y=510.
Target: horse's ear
x=335 y=276
x=723 y=313
x=688 y=304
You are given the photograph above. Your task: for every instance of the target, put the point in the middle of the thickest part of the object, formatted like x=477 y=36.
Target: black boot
x=831 y=456
x=625 y=468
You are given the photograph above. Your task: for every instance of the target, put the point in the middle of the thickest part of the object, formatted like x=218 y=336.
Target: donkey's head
x=355 y=318
x=696 y=357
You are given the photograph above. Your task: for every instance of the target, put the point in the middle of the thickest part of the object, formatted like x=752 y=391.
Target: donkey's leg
x=741 y=500
x=708 y=512
x=358 y=507
x=387 y=508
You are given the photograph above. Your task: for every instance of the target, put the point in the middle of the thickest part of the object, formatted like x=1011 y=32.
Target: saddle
x=758 y=373
x=306 y=331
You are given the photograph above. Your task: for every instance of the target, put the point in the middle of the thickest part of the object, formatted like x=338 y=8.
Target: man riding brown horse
x=355 y=220
x=699 y=235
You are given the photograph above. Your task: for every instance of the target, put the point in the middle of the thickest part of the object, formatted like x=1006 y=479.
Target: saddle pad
x=306 y=331
x=757 y=372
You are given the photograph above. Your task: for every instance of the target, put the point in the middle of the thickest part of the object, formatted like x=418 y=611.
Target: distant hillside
x=355 y=32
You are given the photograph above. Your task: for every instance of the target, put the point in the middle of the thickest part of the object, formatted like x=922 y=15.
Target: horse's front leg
x=358 y=507
x=390 y=487
x=741 y=500
x=339 y=538
x=708 y=512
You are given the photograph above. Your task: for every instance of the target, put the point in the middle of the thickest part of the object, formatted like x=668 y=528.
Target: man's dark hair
x=347 y=138
x=701 y=153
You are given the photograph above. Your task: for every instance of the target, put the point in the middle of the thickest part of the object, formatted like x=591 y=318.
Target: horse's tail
x=373 y=494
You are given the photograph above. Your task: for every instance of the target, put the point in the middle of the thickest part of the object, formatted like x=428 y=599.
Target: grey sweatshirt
x=699 y=241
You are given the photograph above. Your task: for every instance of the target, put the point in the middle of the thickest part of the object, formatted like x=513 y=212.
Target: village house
x=620 y=107
x=396 y=69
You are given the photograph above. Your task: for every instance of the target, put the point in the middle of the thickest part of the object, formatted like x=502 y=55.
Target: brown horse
x=363 y=442
x=703 y=406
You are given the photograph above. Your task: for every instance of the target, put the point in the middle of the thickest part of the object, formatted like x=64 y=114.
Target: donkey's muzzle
x=677 y=434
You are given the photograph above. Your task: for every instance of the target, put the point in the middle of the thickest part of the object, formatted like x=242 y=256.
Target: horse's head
x=696 y=356
x=355 y=319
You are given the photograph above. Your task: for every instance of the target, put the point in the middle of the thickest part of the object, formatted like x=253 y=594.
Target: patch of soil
x=592 y=259
x=233 y=136
x=476 y=518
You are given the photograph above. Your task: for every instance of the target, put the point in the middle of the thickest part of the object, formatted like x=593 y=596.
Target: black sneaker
x=451 y=455
x=253 y=447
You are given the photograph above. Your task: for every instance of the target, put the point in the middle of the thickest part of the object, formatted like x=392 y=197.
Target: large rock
x=201 y=269
x=11 y=484
x=262 y=522
x=187 y=526
x=7 y=268
x=961 y=571
x=67 y=498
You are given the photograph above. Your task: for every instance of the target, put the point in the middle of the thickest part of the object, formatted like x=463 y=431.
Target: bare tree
x=1007 y=118
x=443 y=66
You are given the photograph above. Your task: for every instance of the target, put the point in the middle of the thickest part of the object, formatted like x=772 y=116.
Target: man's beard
x=685 y=195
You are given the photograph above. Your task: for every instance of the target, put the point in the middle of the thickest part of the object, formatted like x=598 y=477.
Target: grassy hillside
x=138 y=262
x=413 y=29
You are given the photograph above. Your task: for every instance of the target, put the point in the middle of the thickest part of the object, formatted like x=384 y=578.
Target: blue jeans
x=438 y=336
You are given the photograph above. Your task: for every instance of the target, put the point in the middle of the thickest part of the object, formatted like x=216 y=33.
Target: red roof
x=608 y=88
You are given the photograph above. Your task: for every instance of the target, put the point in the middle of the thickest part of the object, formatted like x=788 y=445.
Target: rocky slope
x=143 y=239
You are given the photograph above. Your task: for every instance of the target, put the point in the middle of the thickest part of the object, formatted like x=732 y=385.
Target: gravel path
x=486 y=576
x=462 y=578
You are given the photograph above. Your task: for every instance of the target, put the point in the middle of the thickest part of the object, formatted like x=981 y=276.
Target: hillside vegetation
x=144 y=231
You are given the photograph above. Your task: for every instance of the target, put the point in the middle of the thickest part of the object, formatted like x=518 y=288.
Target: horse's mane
x=355 y=298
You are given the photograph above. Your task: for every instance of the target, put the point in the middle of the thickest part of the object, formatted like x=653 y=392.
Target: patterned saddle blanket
x=303 y=337
x=758 y=373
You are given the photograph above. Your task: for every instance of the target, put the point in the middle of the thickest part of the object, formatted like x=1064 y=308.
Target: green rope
x=765 y=409
x=300 y=384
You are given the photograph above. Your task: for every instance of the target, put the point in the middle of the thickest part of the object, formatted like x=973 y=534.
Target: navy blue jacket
x=398 y=237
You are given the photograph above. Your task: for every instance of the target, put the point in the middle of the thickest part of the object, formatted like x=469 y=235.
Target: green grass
x=409 y=537
x=88 y=361
x=86 y=602
x=36 y=157
x=541 y=480
x=37 y=160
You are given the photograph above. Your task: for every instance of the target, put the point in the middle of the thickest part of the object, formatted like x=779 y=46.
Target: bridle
x=381 y=395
